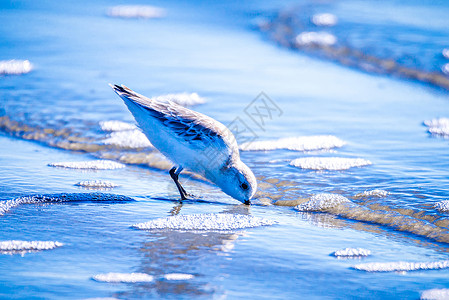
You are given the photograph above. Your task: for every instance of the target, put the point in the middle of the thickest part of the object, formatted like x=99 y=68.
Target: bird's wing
x=199 y=130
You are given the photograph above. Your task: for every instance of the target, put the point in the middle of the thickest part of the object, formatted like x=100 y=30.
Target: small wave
x=123 y=277
x=352 y=252
x=325 y=19
x=115 y=125
x=184 y=99
x=402 y=266
x=320 y=202
x=438 y=126
x=301 y=143
x=97 y=184
x=178 y=276
x=15 y=246
x=15 y=67
x=442 y=206
x=373 y=193
x=329 y=163
x=5 y=206
x=136 y=11
x=315 y=38
x=92 y=165
x=133 y=139
x=435 y=294
x=295 y=28
x=220 y=222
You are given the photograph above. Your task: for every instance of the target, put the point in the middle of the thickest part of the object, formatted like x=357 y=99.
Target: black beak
x=247 y=202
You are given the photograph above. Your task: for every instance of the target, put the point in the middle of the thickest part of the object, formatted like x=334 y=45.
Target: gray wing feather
x=193 y=127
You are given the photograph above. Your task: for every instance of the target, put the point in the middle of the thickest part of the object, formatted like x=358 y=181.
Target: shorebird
x=192 y=141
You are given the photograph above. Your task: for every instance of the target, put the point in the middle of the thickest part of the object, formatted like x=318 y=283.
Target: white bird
x=192 y=141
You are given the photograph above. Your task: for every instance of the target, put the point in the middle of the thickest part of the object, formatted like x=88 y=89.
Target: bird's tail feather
x=127 y=94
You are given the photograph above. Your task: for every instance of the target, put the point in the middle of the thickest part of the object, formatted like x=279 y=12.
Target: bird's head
x=238 y=181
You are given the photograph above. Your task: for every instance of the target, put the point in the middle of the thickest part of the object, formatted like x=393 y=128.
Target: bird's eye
x=244 y=186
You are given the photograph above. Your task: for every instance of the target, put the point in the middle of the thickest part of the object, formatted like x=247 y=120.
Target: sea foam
x=329 y=163
x=438 y=126
x=115 y=125
x=127 y=139
x=184 y=99
x=221 y=221
x=301 y=143
x=123 y=277
x=100 y=164
x=445 y=53
x=445 y=69
x=139 y=277
x=324 y=19
x=318 y=38
x=19 y=246
x=320 y=202
x=402 y=266
x=352 y=252
x=178 y=276
x=435 y=294
x=136 y=11
x=442 y=206
x=15 y=67
x=97 y=184
x=373 y=193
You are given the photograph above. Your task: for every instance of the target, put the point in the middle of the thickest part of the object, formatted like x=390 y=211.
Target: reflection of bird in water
x=199 y=253
x=176 y=209
x=193 y=141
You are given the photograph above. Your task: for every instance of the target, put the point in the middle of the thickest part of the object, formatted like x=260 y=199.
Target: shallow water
x=322 y=113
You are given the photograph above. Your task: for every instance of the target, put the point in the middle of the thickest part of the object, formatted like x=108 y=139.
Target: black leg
x=181 y=190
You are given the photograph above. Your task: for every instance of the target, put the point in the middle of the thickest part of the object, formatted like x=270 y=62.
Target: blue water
x=405 y=38
x=214 y=50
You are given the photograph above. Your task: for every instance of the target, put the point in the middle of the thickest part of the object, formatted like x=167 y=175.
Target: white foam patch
x=373 y=193
x=329 y=163
x=221 y=221
x=445 y=53
x=352 y=252
x=317 y=38
x=123 y=277
x=301 y=143
x=445 y=69
x=15 y=67
x=100 y=164
x=115 y=125
x=402 y=266
x=438 y=126
x=184 y=99
x=15 y=245
x=435 y=294
x=128 y=139
x=324 y=19
x=320 y=202
x=136 y=11
x=442 y=206
x=97 y=184
x=178 y=276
